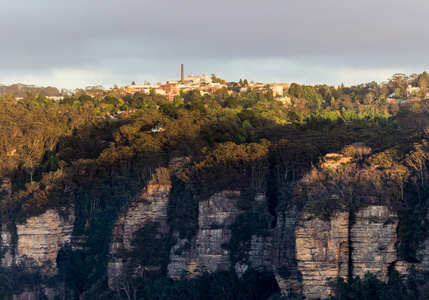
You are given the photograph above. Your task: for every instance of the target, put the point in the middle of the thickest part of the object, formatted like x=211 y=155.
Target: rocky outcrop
x=149 y=208
x=208 y=250
x=35 y=244
x=335 y=160
x=333 y=248
x=322 y=252
x=373 y=238
x=39 y=239
x=205 y=251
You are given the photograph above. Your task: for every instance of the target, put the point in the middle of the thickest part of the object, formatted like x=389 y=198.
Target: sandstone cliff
x=35 y=243
x=208 y=250
x=322 y=251
x=205 y=251
x=39 y=239
x=373 y=239
x=149 y=208
x=337 y=247
x=303 y=251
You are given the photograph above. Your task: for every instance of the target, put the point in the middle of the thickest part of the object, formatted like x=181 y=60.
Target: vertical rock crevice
x=283 y=253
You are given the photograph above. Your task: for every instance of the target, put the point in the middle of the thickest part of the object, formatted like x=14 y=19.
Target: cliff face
x=39 y=239
x=373 y=238
x=302 y=251
x=150 y=208
x=283 y=252
x=208 y=249
x=205 y=251
x=337 y=247
x=36 y=243
x=322 y=251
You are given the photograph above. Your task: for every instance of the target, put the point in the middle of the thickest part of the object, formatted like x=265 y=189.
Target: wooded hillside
x=98 y=153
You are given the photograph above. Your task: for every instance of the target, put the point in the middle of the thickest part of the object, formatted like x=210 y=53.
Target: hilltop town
x=399 y=89
x=202 y=83
x=206 y=85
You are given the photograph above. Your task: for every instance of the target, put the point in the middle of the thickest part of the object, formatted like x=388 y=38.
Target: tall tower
x=183 y=76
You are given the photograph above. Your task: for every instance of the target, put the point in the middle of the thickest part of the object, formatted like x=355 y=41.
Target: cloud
x=138 y=39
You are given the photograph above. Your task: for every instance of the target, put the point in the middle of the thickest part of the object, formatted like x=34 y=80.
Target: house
x=213 y=87
x=412 y=90
x=136 y=88
x=245 y=88
x=233 y=86
x=56 y=98
x=160 y=91
x=171 y=95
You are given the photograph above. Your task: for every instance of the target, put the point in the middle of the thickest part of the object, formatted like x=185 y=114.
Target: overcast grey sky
x=73 y=44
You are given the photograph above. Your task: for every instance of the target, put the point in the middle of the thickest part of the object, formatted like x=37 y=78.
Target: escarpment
x=303 y=251
x=173 y=229
x=344 y=247
x=146 y=216
x=231 y=230
x=39 y=239
x=209 y=250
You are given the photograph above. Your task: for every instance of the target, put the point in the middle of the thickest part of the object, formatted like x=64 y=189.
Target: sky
x=74 y=44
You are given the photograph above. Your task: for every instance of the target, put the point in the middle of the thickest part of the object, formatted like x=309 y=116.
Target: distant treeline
x=20 y=90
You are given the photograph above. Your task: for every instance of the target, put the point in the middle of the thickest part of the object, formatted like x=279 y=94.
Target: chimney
x=183 y=76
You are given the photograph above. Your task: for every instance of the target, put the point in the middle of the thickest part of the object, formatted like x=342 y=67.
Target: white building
x=277 y=89
x=198 y=79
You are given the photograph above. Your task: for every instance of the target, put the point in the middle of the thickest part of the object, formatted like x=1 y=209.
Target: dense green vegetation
x=81 y=152
x=220 y=285
x=413 y=286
